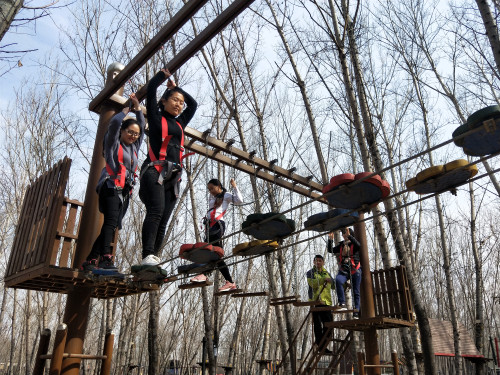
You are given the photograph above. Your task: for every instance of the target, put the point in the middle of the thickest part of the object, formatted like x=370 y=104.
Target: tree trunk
x=305 y=98
x=479 y=295
x=153 y=348
x=401 y=249
x=491 y=28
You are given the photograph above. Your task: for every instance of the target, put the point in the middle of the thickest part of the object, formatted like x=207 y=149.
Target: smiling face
x=130 y=134
x=174 y=104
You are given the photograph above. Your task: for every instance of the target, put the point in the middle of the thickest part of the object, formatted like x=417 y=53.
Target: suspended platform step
x=283 y=300
x=195 y=285
x=62 y=280
x=250 y=294
x=333 y=309
x=228 y=292
x=363 y=324
x=306 y=303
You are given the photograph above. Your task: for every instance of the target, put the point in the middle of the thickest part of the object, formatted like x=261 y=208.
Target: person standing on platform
x=320 y=289
x=161 y=171
x=349 y=268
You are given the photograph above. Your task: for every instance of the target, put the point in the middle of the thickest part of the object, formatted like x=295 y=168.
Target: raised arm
x=113 y=133
x=235 y=197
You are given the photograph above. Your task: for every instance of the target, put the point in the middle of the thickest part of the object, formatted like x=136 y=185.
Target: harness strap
x=214 y=219
x=354 y=266
x=119 y=178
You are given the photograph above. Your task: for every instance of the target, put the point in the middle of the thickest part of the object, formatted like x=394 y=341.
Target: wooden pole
x=78 y=301
x=43 y=347
x=367 y=301
x=108 y=352
x=361 y=363
x=395 y=362
x=58 y=351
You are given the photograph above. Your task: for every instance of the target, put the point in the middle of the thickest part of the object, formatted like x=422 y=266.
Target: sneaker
x=106 y=262
x=150 y=260
x=355 y=315
x=227 y=287
x=341 y=307
x=201 y=278
x=89 y=265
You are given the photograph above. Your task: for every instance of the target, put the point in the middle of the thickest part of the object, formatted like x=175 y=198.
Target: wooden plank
x=59 y=238
x=404 y=294
x=19 y=234
x=307 y=303
x=285 y=298
x=216 y=155
x=57 y=200
x=250 y=294
x=377 y=292
x=384 y=287
x=69 y=235
x=195 y=285
x=39 y=251
x=36 y=224
x=391 y=292
x=261 y=163
x=154 y=45
x=227 y=293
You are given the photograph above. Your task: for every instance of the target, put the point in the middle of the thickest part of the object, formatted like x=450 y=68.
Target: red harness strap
x=120 y=177
x=214 y=219
x=354 y=266
x=165 y=138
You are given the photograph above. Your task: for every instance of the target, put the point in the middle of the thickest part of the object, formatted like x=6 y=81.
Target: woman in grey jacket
x=120 y=148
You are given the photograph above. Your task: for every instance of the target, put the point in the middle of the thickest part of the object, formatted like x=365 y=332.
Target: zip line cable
x=347 y=186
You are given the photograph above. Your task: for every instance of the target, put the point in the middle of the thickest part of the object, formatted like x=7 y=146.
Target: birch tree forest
x=326 y=87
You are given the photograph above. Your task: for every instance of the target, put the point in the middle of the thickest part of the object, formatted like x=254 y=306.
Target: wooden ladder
x=314 y=355
x=57 y=356
x=362 y=366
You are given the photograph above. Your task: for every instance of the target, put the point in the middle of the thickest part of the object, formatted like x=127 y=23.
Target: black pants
x=319 y=320
x=160 y=202
x=216 y=236
x=114 y=210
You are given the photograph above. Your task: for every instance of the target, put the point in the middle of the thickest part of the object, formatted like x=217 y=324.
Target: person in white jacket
x=215 y=226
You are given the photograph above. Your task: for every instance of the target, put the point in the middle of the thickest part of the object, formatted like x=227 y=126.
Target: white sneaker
x=151 y=260
x=199 y=279
x=341 y=307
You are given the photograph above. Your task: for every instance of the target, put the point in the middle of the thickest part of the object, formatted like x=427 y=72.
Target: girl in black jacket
x=161 y=171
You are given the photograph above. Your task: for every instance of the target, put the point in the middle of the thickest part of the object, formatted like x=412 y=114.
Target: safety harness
x=354 y=267
x=120 y=177
x=166 y=168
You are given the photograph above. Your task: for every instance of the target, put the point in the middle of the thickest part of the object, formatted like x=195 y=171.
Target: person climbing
x=161 y=171
x=120 y=147
x=215 y=227
x=320 y=289
x=349 y=268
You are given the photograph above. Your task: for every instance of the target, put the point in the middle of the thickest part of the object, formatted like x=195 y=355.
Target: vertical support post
x=361 y=363
x=395 y=363
x=78 y=302
x=203 y=356
x=58 y=351
x=108 y=352
x=43 y=347
x=367 y=301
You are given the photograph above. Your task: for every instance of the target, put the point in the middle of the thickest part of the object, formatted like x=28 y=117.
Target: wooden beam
x=261 y=163
x=155 y=44
x=215 y=155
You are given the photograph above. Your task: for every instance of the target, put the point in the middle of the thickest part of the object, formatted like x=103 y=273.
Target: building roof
x=442 y=339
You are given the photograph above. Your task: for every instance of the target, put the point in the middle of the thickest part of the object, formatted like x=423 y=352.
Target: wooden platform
x=195 y=285
x=62 y=280
x=367 y=323
x=283 y=300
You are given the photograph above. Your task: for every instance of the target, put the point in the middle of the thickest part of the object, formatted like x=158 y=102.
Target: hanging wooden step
x=195 y=285
x=250 y=294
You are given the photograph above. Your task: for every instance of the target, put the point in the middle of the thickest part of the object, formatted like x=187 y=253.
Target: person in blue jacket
x=120 y=147
x=161 y=171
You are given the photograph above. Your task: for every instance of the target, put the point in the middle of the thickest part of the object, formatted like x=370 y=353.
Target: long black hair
x=168 y=93
x=219 y=197
x=128 y=122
